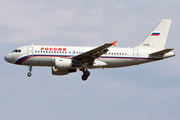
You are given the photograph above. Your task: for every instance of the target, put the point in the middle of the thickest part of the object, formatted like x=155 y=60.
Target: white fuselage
x=40 y=55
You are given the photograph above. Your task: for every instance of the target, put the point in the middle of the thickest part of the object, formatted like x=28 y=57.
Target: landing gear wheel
x=29 y=74
x=87 y=73
x=84 y=77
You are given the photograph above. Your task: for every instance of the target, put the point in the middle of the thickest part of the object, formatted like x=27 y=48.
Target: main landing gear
x=29 y=73
x=85 y=75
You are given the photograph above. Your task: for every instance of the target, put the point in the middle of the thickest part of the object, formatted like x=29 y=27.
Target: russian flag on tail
x=155 y=34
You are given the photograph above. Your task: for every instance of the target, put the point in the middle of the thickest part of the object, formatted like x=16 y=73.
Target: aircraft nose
x=8 y=58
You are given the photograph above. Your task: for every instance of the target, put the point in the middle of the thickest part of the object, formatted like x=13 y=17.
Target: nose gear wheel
x=29 y=73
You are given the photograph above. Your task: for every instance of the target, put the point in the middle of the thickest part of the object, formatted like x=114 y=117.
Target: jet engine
x=62 y=66
x=62 y=63
x=62 y=71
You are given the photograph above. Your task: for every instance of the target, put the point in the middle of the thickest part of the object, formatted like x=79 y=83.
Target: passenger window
x=46 y=51
x=122 y=53
x=69 y=52
x=54 y=51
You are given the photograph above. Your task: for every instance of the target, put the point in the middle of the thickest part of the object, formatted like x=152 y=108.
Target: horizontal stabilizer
x=162 y=52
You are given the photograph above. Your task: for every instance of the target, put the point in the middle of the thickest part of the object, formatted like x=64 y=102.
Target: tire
x=29 y=74
x=87 y=73
x=84 y=77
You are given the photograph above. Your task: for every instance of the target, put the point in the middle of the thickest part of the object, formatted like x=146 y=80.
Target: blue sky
x=148 y=91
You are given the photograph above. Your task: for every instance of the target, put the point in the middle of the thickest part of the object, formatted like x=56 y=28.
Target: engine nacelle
x=62 y=71
x=62 y=63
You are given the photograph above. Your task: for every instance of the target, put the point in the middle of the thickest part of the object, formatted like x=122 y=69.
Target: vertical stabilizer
x=157 y=38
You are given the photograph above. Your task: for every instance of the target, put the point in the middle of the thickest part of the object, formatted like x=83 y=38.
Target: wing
x=89 y=56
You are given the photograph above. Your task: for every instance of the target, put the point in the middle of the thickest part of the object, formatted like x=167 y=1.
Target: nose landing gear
x=29 y=73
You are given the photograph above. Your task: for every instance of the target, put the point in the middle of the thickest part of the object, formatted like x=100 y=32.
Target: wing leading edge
x=96 y=52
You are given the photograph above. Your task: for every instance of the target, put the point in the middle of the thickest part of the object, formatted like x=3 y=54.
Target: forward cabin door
x=135 y=54
x=30 y=51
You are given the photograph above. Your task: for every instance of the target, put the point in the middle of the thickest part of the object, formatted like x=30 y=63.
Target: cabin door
x=135 y=54
x=30 y=50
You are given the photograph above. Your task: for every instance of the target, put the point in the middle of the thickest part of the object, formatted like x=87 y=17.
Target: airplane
x=67 y=59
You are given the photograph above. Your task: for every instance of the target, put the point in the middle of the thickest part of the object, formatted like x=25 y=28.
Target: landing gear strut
x=29 y=73
x=85 y=75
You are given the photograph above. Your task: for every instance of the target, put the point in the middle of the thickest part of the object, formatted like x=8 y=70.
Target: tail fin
x=157 y=38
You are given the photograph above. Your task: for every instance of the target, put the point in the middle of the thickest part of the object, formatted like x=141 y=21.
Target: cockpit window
x=17 y=50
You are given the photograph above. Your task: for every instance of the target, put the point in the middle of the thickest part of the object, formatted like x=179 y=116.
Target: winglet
x=114 y=43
